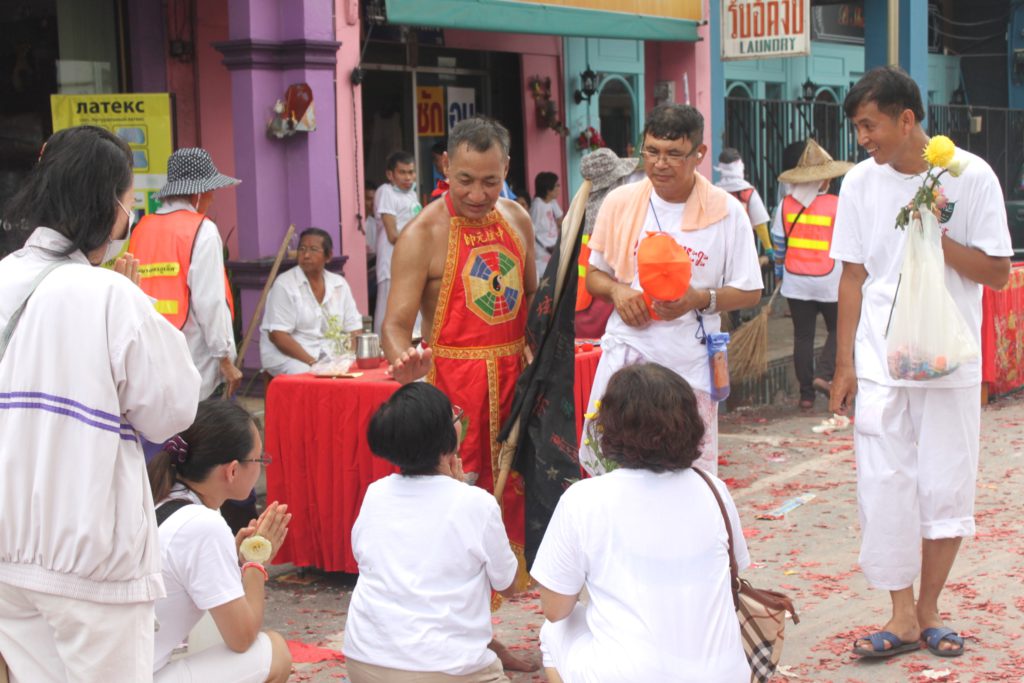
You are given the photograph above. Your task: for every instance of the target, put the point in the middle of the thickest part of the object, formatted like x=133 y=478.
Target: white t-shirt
x=200 y=570
x=371 y=226
x=544 y=216
x=292 y=307
x=756 y=210
x=429 y=551
x=865 y=233
x=806 y=287
x=723 y=255
x=404 y=206
x=653 y=552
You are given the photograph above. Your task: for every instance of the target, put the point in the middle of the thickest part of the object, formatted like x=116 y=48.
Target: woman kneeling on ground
x=430 y=549
x=649 y=543
x=216 y=459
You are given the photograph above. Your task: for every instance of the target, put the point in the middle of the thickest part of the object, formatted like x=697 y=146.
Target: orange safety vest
x=163 y=244
x=809 y=235
x=583 y=297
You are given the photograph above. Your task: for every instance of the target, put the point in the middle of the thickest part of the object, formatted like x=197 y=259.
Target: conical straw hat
x=815 y=164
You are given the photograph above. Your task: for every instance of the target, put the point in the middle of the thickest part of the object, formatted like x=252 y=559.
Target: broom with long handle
x=748 y=347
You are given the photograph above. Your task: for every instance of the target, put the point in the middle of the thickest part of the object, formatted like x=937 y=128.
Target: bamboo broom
x=748 y=347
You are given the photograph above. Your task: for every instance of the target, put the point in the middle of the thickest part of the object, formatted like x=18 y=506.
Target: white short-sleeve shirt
x=865 y=232
x=404 y=206
x=292 y=307
x=200 y=570
x=652 y=550
x=722 y=255
x=430 y=549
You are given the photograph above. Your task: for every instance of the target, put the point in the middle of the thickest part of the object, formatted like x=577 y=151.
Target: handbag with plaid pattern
x=762 y=613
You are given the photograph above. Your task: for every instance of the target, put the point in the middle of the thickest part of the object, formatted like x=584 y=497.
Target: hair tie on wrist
x=178 y=448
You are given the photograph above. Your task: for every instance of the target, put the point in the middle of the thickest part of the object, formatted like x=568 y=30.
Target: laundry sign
x=764 y=29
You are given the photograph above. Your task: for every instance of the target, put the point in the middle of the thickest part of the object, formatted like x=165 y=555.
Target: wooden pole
x=263 y=297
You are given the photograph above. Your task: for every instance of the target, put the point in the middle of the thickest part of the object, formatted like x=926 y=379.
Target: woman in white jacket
x=90 y=366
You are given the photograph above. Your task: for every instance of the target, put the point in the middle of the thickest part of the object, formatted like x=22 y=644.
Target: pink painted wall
x=700 y=83
x=667 y=61
x=540 y=56
x=545 y=149
x=213 y=88
x=351 y=177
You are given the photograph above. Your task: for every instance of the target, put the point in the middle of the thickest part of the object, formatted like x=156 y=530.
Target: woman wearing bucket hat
x=605 y=171
x=181 y=261
x=810 y=279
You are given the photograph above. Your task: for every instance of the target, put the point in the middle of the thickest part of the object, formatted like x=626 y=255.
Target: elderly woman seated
x=302 y=303
x=649 y=543
x=430 y=549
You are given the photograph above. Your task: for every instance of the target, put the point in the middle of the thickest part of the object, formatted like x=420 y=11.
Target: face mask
x=117 y=248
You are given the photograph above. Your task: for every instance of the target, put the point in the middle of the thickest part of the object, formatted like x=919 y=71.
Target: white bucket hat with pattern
x=190 y=170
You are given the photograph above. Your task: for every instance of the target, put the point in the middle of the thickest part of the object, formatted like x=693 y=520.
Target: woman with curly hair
x=649 y=543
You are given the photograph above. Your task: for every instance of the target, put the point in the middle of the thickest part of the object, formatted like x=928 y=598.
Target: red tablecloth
x=586 y=366
x=316 y=434
x=1002 y=340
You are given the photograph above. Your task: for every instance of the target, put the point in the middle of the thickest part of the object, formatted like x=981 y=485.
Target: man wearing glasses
x=714 y=230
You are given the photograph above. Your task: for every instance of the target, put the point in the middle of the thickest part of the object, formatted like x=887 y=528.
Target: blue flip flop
x=878 y=649
x=933 y=637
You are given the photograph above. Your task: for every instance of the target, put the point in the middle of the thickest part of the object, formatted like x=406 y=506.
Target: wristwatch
x=712 y=303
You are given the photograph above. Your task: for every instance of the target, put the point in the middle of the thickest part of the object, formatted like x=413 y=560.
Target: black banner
x=547 y=454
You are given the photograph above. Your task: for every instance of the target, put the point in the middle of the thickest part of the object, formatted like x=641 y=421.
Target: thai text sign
x=430 y=114
x=763 y=29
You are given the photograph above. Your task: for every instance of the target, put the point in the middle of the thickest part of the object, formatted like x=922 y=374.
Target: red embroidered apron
x=478 y=346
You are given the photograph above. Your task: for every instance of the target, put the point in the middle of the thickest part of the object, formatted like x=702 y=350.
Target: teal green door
x=616 y=109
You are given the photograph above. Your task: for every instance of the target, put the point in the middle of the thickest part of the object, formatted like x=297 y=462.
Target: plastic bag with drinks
x=927 y=336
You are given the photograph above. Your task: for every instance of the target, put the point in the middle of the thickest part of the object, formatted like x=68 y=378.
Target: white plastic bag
x=926 y=337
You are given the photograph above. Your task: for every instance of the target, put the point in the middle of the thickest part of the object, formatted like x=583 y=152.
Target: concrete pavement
x=769 y=457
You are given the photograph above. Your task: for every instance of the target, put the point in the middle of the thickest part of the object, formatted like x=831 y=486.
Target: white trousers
x=917 y=463
x=53 y=639
x=383 y=290
x=615 y=356
x=218 y=663
x=558 y=640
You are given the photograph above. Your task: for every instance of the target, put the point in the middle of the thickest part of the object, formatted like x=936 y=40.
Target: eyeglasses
x=263 y=459
x=670 y=158
x=458 y=413
x=309 y=250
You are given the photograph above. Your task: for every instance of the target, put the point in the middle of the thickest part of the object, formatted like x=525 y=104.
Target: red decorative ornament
x=589 y=140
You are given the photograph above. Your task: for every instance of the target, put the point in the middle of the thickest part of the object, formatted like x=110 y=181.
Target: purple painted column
x=286 y=181
x=292 y=180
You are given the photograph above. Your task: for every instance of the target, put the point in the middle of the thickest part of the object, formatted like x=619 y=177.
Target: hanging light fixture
x=588 y=86
x=809 y=89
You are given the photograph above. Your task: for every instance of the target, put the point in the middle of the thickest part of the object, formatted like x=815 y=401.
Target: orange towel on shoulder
x=624 y=210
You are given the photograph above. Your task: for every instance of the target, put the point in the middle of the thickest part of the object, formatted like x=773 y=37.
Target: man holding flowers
x=916 y=441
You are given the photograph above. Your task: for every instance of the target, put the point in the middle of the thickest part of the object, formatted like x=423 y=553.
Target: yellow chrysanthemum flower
x=940 y=151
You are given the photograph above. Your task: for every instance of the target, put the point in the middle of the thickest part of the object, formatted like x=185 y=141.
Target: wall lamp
x=809 y=89
x=588 y=86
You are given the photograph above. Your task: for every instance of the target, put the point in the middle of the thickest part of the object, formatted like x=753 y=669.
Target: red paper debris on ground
x=304 y=653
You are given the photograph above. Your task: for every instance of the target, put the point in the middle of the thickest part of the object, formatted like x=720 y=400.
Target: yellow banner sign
x=668 y=9
x=141 y=120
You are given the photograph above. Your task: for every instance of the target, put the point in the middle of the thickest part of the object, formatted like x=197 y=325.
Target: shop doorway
x=413 y=108
x=49 y=47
